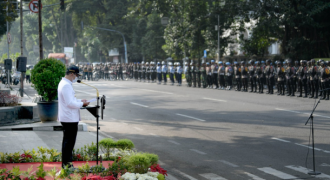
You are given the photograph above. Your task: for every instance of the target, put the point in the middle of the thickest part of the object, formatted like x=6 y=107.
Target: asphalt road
x=215 y=134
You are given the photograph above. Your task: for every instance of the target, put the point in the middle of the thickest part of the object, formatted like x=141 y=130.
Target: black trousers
x=209 y=80
x=215 y=79
x=302 y=83
x=253 y=82
x=271 y=82
x=245 y=84
x=69 y=140
x=261 y=84
x=230 y=81
x=165 y=77
x=238 y=84
x=281 y=89
x=159 y=77
x=315 y=88
x=222 y=80
x=172 y=77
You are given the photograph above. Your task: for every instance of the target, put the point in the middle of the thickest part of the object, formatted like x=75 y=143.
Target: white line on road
x=228 y=163
x=139 y=129
x=174 y=142
x=215 y=99
x=116 y=85
x=190 y=117
x=170 y=177
x=277 y=173
x=113 y=119
x=199 y=152
x=155 y=91
x=153 y=135
x=305 y=171
x=280 y=140
x=297 y=112
x=254 y=177
x=308 y=146
x=184 y=175
x=211 y=176
x=93 y=94
x=139 y=104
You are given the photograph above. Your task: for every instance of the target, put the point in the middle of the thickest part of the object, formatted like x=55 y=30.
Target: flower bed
x=128 y=164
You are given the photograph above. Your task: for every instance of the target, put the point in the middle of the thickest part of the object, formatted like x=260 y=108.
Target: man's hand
x=83 y=100
x=85 y=104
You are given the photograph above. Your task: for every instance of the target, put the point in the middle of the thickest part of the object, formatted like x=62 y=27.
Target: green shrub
x=106 y=145
x=160 y=177
x=45 y=76
x=153 y=158
x=124 y=144
x=140 y=162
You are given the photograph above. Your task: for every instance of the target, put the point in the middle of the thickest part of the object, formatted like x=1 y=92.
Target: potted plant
x=46 y=75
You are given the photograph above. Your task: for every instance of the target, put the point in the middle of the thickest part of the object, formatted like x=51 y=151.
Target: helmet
x=250 y=62
x=142 y=62
x=296 y=62
x=228 y=63
x=243 y=62
x=235 y=62
x=170 y=64
x=212 y=61
x=207 y=63
x=186 y=63
x=147 y=63
x=276 y=62
x=262 y=62
x=158 y=63
x=163 y=62
x=257 y=62
x=313 y=61
x=203 y=61
x=321 y=62
x=268 y=61
x=220 y=62
x=279 y=63
x=178 y=64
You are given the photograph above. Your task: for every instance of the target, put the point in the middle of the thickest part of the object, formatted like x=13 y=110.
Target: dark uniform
x=237 y=73
x=193 y=74
x=324 y=76
x=252 y=76
x=314 y=79
x=302 y=78
x=221 y=73
x=214 y=69
x=260 y=77
x=244 y=76
x=203 y=75
x=290 y=74
x=198 y=75
x=269 y=72
x=280 y=78
x=229 y=74
x=148 y=72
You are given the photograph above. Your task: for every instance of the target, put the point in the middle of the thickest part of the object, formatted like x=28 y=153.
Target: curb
x=51 y=126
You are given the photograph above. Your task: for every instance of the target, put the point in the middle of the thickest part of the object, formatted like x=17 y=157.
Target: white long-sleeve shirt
x=68 y=105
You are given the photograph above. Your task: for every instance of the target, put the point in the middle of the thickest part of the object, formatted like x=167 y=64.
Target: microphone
x=97 y=91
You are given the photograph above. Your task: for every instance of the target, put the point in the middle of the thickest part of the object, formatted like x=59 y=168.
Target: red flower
x=157 y=168
x=40 y=178
x=26 y=178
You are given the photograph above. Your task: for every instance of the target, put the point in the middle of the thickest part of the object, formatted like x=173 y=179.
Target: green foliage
x=106 y=145
x=140 y=162
x=46 y=76
x=124 y=144
x=41 y=173
x=160 y=177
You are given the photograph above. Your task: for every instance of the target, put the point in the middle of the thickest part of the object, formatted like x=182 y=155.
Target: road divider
x=190 y=117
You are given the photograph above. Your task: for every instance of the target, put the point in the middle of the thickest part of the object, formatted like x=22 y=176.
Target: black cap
x=74 y=69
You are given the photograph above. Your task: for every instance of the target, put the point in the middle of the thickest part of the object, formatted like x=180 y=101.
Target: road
x=215 y=134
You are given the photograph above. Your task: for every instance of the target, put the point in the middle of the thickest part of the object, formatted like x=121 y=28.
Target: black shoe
x=288 y=95
x=311 y=97
x=299 y=96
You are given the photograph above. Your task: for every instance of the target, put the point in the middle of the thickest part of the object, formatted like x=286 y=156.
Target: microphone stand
x=311 y=117
x=95 y=111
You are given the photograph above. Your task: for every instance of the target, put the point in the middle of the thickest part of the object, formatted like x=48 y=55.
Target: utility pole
x=41 y=56
x=21 y=24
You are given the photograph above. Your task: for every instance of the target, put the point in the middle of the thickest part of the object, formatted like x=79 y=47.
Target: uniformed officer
x=193 y=73
x=290 y=78
x=269 y=72
x=90 y=72
x=260 y=77
x=187 y=73
x=229 y=75
x=209 y=74
x=252 y=75
x=309 y=83
x=280 y=78
x=171 y=71
x=159 y=72
x=154 y=72
x=314 y=78
x=237 y=73
x=106 y=72
x=245 y=71
x=136 y=71
x=143 y=71
x=179 y=74
x=221 y=73
x=324 y=76
x=203 y=74
x=302 y=75
x=296 y=67
x=319 y=67
x=198 y=75
x=139 y=66
x=214 y=69
x=164 y=72
x=148 y=72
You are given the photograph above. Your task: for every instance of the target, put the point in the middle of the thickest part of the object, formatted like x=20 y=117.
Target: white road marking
x=184 y=175
x=153 y=135
x=174 y=142
x=155 y=91
x=281 y=140
x=199 y=152
x=310 y=147
x=215 y=99
x=297 y=112
x=254 y=177
x=228 y=163
x=305 y=171
x=277 y=173
x=170 y=177
x=139 y=129
x=139 y=104
x=190 y=117
x=212 y=176
x=116 y=85
x=113 y=119
x=93 y=94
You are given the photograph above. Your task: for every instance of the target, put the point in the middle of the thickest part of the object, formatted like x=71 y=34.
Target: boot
x=305 y=95
x=312 y=95
x=327 y=96
x=300 y=94
x=323 y=98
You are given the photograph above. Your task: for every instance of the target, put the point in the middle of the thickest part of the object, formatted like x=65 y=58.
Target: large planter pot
x=48 y=111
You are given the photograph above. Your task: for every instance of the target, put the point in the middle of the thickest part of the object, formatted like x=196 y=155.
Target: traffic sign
x=8 y=38
x=205 y=53
x=33 y=6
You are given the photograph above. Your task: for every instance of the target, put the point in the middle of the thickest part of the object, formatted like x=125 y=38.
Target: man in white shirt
x=68 y=113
